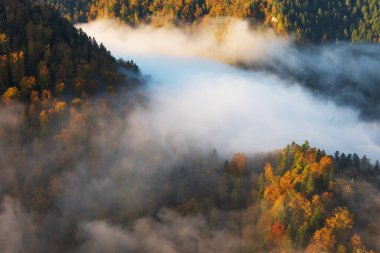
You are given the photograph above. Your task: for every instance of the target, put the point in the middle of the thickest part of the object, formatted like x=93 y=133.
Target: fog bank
x=198 y=99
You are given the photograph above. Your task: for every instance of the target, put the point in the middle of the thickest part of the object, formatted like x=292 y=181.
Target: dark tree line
x=318 y=21
x=308 y=21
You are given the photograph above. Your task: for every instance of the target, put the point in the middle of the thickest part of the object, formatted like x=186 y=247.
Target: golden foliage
x=277 y=210
x=299 y=202
x=326 y=164
x=3 y=38
x=286 y=182
x=27 y=83
x=10 y=94
x=341 y=220
x=316 y=200
x=4 y=59
x=356 y=241
x=16 y=57
x=323 y=168
x=60 y=106
x=341 y=249
x=357 y=244
x=323 y=240
x=34 y=97
x=272 y=192
x=44 y=122
x=327 y=197
x=46 y=94
x=59 y=89
x=46 y=98
x=238 y=163
x=269 y=175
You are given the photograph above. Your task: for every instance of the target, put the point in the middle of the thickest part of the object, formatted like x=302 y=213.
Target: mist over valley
x=189 y=126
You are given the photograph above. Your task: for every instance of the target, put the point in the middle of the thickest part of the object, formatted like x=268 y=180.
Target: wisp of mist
x=199 y=96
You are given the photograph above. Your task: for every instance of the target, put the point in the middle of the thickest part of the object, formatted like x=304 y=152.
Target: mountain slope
x=40 y=51
x=309 y=21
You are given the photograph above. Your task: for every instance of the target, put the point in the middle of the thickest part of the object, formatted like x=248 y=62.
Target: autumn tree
x=11 y=93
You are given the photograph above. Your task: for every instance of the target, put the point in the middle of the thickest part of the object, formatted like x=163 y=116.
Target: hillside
x=307 y=21
x=41 y=53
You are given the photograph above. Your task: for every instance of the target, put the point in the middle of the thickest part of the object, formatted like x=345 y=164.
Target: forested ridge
x=307 y=21
x=43 y=53
x=48 y=65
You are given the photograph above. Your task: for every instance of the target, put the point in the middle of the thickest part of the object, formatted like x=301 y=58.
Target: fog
x=173 y=234
x=197 y=97
x=122 y=172
x=222 y=39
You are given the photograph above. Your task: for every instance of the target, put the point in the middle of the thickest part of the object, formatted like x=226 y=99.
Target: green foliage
x=316 y=221
x=307 y=21
x=318 y=21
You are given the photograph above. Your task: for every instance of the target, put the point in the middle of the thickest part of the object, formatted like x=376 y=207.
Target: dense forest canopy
x=307 y=21
x=41 y=51
x=45 y=62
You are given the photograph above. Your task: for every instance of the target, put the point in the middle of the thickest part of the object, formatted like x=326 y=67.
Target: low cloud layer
x=173 y=234
x=114 y=172
x=104 y=185
x=346 y=73
x=207 y=103
x=227 y=40
x=17 y=231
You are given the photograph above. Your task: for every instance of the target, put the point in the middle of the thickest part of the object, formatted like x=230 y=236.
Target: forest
x=46 y=63
x=42 y=52
x=82 y=170
x=307 y=21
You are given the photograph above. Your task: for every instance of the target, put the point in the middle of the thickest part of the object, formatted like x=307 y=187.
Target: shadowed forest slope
x=40 y=51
